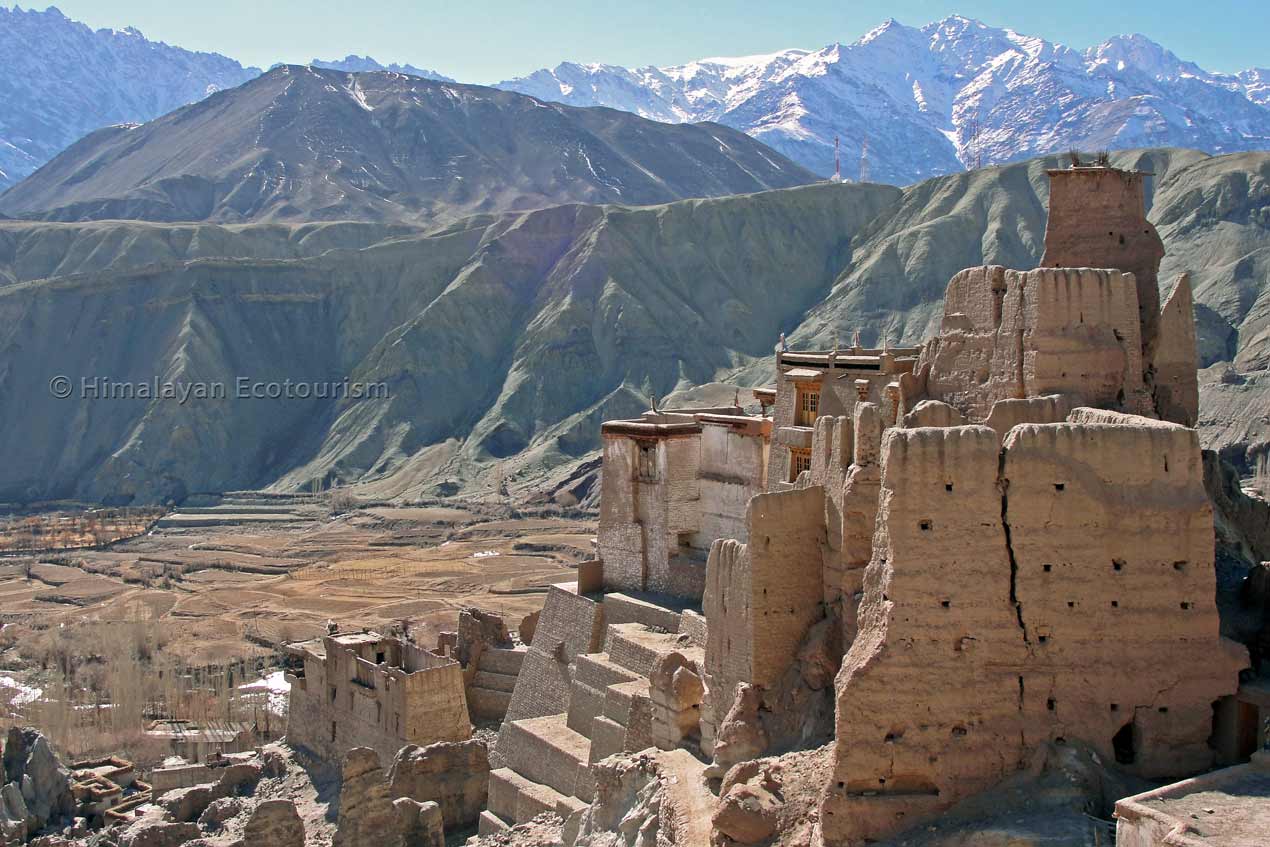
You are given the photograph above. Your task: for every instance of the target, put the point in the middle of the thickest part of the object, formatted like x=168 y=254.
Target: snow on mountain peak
x=934 y=99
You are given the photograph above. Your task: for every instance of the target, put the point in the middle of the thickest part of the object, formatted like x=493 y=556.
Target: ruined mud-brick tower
x=1042 y=534
x=1098 y=219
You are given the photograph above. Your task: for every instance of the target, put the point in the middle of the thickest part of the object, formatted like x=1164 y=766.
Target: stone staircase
x=543 y=763
x=490 y=691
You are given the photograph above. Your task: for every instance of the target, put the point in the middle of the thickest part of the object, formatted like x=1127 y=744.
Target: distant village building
x=363 y=689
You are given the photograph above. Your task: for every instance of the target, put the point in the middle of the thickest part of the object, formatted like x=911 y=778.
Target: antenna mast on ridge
x=837 y=162
x=864 y=160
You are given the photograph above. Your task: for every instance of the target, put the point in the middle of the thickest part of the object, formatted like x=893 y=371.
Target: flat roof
x=1225 y=808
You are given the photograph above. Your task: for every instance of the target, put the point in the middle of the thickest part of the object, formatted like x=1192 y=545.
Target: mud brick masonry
x=364 y=689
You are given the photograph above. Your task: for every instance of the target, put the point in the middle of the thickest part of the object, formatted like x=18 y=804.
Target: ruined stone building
x=363 y=689
x=944 y=558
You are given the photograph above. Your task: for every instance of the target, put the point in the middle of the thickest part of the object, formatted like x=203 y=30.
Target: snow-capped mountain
x=938 y=98
x=358 y=64
x=62 y=80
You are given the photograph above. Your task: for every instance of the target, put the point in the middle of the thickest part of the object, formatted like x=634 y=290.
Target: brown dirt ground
x=223 y=592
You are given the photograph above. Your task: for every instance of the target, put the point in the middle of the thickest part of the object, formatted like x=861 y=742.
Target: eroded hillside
x=503 y=341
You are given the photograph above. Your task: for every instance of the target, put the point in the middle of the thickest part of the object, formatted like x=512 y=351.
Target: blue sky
x=490 y=40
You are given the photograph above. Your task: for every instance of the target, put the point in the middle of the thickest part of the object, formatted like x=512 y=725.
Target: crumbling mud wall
x=1010 y=335
x=762 y=597
x=1097 y=219
x=1175 y=362
x=1022 y=595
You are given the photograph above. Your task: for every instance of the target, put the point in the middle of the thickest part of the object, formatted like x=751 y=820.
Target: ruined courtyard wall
x=833 y=444
x=674 y=566
x=1112 y=536
x=729 y=648
x=1081 y=335
x=436 y=706
x=1007 y=414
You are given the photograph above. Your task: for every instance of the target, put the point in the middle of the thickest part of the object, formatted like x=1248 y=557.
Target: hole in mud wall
x=924 y=525
x=1059 y=486
x=948 y=486
x=1179 y=566
x=1047 y=568
x=945 y=603
x=1125 y=745
x=1117 y=564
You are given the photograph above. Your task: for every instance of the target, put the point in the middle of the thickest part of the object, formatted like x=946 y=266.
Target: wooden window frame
x=799 y=461
x=806 y=404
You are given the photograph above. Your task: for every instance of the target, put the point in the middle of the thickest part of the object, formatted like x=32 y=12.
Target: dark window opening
x=1117 y=565
x=948 y=486
x=1047 y=568
x=925 y=526
x=1115 y=604
x=1185 y=606
x=1124 y=745
x=945 y=603
x=379 y=658
x=1059 y=486
x=333 y=730
x=1051 y=704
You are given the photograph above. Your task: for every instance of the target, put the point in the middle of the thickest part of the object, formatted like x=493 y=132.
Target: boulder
x=161 y=835
x=44 y=782
x=220 y=811
x=274 y=823
x=747 y=814
x=741 y=735
x=418 y=824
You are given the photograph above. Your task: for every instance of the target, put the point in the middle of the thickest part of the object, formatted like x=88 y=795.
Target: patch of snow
x=23 y=695
x=485 y=554
x=275 y=687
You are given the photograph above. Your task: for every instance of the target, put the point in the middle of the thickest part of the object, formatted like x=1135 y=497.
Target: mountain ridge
x=64 y=80
x=506 y=339
x=301 y=143
x=939 y=98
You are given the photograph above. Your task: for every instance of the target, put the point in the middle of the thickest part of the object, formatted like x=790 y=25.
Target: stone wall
x=620 y=538
x=570 y=624
x=1024 y=597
